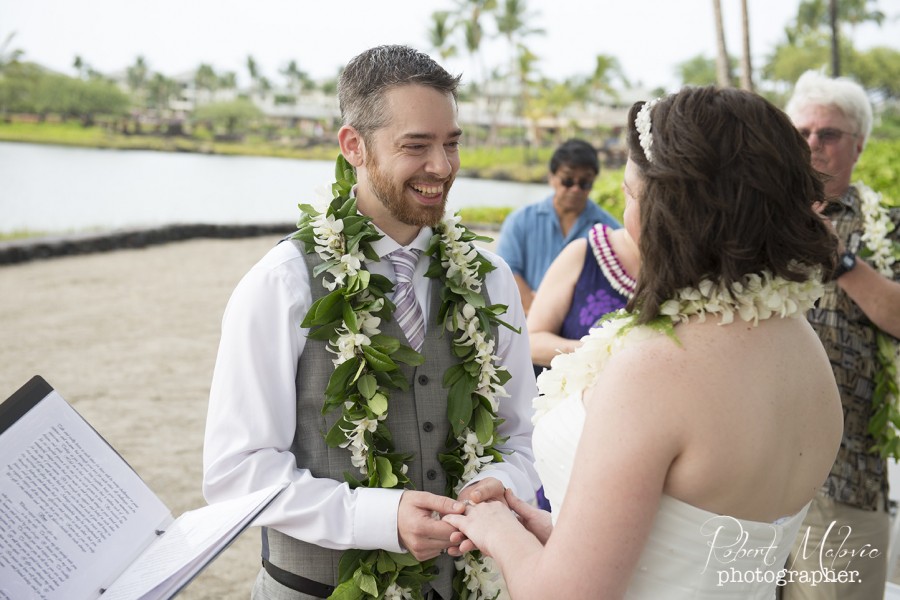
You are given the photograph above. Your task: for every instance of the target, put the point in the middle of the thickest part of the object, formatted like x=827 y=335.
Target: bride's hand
x=482 y=523
x=534 y=519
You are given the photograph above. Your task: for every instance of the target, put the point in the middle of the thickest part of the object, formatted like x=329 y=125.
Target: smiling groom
x=371 y=471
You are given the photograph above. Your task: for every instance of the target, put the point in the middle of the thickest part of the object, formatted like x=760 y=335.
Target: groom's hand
x=420 y=532
x=487 y=489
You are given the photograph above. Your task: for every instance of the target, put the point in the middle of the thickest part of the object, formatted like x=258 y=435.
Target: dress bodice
x=602 y=285
x=690 y=553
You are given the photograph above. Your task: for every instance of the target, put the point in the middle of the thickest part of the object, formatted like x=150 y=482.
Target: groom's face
x=411 y=163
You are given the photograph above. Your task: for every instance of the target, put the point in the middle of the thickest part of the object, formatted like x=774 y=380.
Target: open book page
x=191 y=542
x=73 y=514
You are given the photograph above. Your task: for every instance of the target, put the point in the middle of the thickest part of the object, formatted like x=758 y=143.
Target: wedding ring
x=468 y=503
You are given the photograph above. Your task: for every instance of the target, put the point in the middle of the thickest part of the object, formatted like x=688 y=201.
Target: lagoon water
x=61 y=189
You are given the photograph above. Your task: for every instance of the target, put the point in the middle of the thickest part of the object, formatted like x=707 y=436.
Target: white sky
x=649 y=37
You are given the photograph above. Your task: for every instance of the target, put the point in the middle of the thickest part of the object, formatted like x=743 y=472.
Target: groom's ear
x=353 y=147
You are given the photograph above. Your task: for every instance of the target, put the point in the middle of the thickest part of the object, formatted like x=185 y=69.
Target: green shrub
x=878 y=167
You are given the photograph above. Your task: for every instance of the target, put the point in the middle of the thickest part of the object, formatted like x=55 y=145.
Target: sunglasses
x=584 y=184
x=826 y=136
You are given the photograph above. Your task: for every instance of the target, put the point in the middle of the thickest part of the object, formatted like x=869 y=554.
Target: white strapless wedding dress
x=679 y=561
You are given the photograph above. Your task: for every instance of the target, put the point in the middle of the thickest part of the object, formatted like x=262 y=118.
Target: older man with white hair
x=845 y=536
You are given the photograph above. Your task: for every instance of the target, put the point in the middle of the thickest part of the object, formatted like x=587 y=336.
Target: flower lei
x=756 y=297
x=366 y=372
x=882 y=252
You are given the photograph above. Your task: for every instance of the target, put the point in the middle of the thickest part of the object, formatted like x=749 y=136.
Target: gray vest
x=417 y=418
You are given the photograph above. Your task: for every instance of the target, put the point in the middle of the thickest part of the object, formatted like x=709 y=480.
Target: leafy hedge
x=879 y=168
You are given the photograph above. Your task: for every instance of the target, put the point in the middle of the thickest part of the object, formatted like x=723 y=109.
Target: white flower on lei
x=574 y=372
x=877 y=225
x=347 y=345
x=356 y=441
x=482 y=580
x=460 y=263
x=756 y=297
x=395 y=592
x=473 y=455
x=348 y=265
x=328 y=236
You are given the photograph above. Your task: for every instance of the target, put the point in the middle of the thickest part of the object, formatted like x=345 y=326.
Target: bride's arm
x=631 y=436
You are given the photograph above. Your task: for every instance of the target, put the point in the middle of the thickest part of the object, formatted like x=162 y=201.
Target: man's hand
x=421 y=532
x=488 y=488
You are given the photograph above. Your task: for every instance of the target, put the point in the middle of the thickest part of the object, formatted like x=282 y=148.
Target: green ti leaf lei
x=882 y=253
x=366 y=372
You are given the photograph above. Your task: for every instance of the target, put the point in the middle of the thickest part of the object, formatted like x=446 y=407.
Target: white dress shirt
x=252 y=407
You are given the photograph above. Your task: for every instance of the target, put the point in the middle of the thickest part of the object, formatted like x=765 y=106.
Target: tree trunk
x=835 y=53
x=746 y=66
x=723 y=66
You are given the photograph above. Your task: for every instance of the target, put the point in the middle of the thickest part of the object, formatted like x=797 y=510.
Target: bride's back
x=764 y=417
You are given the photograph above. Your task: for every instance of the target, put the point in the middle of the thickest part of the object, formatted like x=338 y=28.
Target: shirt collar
x=387 y=244
x=849 y=200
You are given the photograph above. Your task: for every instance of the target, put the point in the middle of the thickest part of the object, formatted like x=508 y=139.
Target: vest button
x=436 y=570
x=423 y=379
x=428 y=426
x=431 y=474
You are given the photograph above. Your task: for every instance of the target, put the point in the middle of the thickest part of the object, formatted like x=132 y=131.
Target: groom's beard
x=394 y=196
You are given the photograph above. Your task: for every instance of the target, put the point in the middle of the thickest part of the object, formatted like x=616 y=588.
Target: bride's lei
x=756 y=297
x=882 y=252
x=366 y=373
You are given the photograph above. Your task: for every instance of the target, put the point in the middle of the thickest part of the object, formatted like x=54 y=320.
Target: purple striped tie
x=409 y=313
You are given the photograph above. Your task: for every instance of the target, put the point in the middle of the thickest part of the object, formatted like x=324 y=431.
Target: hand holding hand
x=482 y=523
x=419 y=531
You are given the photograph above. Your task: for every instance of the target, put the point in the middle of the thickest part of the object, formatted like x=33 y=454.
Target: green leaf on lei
x=341 y=377
x=484 y=425
x=378 y=404
x=385 y=472
x=378 y=361
x=367 y=386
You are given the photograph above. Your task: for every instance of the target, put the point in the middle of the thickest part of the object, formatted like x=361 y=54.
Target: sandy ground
x=129 y=338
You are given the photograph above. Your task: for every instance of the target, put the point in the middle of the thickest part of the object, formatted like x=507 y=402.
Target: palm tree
x=723 y=64
x=606 y=69
x=469 y=15
x=440 y=34
x=136 y=76
x=8 y=57
x=512 y=19
x=205 y=78
x=297 y=79
x=746 y=67
x=160 y=91
x=813 y=15
x=513 y=23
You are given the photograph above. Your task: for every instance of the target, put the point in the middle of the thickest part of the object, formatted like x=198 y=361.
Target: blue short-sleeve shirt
x=531 y=237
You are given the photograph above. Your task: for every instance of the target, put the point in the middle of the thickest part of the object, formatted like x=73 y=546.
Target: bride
x=681 y=444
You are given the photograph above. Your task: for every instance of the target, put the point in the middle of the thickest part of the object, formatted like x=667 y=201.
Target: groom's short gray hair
x=366 y=78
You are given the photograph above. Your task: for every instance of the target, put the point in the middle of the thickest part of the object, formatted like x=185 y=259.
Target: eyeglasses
x=584 y=184
x=826 y=136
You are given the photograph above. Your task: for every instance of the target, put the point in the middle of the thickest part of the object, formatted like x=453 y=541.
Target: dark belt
x=296 y=582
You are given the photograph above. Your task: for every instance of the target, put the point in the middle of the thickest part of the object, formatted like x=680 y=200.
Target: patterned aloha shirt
x=859 y=477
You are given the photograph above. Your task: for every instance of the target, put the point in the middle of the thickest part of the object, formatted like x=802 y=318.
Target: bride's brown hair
x=729 y=192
